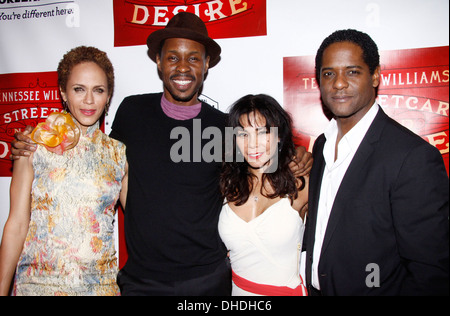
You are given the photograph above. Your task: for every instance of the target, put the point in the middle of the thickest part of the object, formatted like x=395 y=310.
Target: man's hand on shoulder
x=302 y=164
x=22 y=145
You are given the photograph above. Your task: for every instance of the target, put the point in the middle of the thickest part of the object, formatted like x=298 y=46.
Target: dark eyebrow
x=348 y=67
x=356 y=66
x=173 y=51
x=84 y=86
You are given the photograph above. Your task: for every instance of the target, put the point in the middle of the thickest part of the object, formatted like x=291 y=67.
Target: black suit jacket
x=391 y=210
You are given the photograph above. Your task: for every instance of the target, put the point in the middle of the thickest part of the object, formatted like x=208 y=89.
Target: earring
x=65 y=106
x=107 y=108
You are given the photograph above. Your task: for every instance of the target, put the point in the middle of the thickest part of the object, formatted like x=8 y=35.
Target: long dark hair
x=236 y=181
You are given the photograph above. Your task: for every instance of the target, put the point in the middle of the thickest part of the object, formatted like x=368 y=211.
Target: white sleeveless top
x=265 y=250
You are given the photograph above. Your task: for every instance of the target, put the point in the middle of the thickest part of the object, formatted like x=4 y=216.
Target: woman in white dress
x=262 y=221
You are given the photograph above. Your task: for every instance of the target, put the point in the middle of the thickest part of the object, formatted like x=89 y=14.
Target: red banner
x=414 y=91
x=135 y=20
x=25 y=99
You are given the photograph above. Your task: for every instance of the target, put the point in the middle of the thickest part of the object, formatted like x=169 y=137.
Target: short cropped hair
x=369 y=47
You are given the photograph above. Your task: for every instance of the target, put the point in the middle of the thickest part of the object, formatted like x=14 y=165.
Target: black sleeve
x=118 y=125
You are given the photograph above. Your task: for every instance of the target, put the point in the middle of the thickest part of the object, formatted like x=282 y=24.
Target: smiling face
x=86 y=93
x=183 y=65
x=257 y=143
x=346 y=85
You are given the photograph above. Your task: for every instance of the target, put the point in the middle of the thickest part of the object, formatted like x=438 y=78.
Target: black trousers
x=217 y=283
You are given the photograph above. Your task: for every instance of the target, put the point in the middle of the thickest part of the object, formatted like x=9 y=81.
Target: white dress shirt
x=333 y=174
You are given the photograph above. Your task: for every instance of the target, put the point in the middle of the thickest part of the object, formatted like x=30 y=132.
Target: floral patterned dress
x=70 y=248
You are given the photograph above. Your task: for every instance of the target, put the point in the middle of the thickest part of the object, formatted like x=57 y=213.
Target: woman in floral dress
x=59 y=237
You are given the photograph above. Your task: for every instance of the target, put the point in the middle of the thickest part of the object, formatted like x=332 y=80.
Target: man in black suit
x=378 y=199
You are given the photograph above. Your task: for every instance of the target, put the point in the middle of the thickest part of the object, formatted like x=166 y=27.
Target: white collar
x=351 y=140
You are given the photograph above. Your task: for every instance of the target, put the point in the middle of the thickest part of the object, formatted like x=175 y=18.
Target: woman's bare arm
x=16 y=226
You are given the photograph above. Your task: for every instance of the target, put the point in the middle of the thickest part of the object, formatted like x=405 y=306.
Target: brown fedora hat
x=184 y=25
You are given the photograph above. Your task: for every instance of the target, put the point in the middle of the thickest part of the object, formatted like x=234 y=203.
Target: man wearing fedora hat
x=188 y=26
x=172 y=208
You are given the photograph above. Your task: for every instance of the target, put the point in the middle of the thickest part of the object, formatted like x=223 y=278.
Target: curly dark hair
x=236 y=181
x=84 y=54
x=369 y=47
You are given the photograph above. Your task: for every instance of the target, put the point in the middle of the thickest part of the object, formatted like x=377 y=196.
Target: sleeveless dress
x=264 y=252
x=69 y=249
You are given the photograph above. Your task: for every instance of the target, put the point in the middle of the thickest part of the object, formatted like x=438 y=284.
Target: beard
x=184 y=99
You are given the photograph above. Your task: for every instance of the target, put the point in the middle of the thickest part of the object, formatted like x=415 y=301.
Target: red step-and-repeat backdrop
x=414 y=91
x=414 y=86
